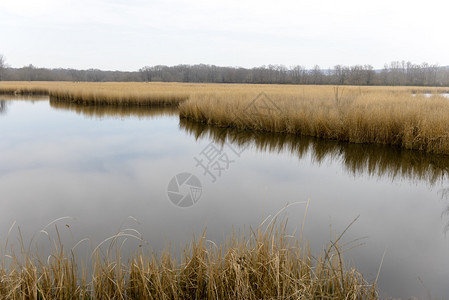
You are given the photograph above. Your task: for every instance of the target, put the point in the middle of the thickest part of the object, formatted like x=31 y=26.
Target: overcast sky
x=129 y=34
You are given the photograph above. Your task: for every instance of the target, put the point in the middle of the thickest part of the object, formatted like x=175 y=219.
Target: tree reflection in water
x=3 y=107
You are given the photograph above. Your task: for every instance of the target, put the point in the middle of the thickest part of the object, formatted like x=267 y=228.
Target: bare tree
x=317 y=75
x=340 y=74
x=297 y=73
x=145 y=72
x=394 y=73
x=369 y=74
x=2 y=66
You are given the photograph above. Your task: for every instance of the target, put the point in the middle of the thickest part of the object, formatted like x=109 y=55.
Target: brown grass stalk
x=390 y=116
x=398 y=116
x=265 y=263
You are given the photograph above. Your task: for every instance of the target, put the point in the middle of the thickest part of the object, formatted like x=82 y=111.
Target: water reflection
x=7 y=100
x=357 y=159
x=101 y=171
x=429 y=95
x=28 y=98
x=3 y=107
x=92 y=111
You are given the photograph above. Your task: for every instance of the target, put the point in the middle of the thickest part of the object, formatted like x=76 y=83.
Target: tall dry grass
x=382 y=115
x=399 y=116
x=113 y=94
x=265 y=263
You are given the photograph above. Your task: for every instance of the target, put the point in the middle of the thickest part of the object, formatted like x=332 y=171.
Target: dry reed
x=266 y=263
x=399 y=116
x=390 y=116
x=113 y=94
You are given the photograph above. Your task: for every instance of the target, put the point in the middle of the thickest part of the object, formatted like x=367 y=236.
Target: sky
x=129 y=34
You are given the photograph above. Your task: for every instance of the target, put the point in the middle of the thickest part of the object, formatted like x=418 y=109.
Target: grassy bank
x=266 y=263
x=399 y=116
x=391 y=116
x=111 y=94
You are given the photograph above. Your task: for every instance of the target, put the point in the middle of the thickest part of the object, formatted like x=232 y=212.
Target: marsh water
x=97 y=171
x=430 y=95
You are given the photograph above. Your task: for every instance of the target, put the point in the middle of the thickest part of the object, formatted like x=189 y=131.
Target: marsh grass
x=117 y=98
x=399 y=116
x=101 y=94
x=390 y=116
x=23 y=89
x=263 y=263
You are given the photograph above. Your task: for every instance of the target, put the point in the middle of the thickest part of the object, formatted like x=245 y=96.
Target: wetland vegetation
x=397 y=116
x=267 y=261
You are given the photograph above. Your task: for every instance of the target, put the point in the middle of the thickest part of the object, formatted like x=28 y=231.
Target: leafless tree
x=2 y=66
x=394 y=73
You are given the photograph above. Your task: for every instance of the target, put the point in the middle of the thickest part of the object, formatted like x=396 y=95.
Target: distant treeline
x=395 y=73
x=31 y=73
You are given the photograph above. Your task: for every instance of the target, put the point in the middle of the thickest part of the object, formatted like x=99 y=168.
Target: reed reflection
x=95 y=111
x=3 y=107
x=357 y=159
x=28 y=98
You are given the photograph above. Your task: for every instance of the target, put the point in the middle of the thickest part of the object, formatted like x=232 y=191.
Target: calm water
x=102 y=166
x=429 y=95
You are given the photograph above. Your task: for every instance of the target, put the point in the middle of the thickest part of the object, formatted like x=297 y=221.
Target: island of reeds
x=409 y=117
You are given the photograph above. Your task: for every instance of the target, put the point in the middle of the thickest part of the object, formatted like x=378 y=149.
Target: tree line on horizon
x=394 y=73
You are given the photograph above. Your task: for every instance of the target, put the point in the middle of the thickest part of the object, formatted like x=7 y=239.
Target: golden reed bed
x=266 y=263
x=112 y=94
x=398 y=116
x=391 y=116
